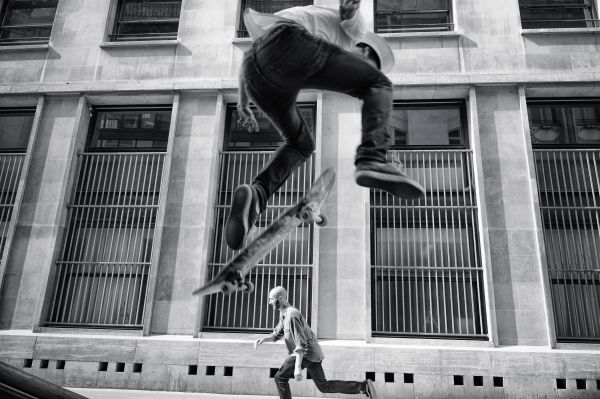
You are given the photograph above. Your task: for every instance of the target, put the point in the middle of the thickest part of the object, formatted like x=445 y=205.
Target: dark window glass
x=131 y=130
x=268 y=138
x=427 y=125
x=267 y=6
x=27 y=21
x=413 y=16
x=15 y=127
x=537 y=14
x=147 y=20
x=564 y=124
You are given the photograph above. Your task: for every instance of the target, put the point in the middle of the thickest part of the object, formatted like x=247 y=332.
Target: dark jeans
x=287 y=59
x=318 y=376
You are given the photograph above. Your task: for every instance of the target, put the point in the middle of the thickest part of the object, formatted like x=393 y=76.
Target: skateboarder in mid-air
x=323 y=48
x=304 y=351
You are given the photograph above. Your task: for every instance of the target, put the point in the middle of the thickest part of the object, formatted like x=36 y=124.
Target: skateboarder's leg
x=347 y=73
x=333 y=386
x=281 y=109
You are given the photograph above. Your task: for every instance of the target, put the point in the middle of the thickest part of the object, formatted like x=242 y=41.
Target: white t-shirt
x=322 y=22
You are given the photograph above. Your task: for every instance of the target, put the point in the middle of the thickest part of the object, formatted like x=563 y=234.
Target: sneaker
x=387 y=177
x=370 y=389
x=242 y=216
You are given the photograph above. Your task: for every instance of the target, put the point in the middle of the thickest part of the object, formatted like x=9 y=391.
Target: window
x=146 y=20
x=537 y=14
x=426 y=269
x=290 y=263
x=102 y=272
x=566 y=144
x=413 y=16
x=15 y=128
x=267 y=6
x=27 y=21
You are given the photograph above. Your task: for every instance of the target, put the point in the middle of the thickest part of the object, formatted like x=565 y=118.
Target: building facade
x=119 y=150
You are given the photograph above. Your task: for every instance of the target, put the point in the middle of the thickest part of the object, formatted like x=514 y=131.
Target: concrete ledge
x=419 y=35
x=140 y=43
x=24 y=47
x=556 y=31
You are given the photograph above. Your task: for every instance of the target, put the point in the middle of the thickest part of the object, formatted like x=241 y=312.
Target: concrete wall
x=488 y=56
x=417 y=371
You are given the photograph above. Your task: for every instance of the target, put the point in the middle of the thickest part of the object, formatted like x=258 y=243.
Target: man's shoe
x=370 y=390
x=387 y=177
x=242 y=216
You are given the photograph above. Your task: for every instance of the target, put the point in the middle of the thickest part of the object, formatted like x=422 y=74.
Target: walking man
x=304 y=351
x=313 y=47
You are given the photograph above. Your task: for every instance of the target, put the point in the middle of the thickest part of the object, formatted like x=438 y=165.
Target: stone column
x=510 y=194
x=41 y=221
x=343 y=244
x=188 y=217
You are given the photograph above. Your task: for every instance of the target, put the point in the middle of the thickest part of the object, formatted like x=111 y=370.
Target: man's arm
x=348 y=8
x=245 y=114
x=273 y=337
x=260 y=341
x=297 y=331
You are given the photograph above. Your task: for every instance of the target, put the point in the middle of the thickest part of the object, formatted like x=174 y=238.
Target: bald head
x=278 y=298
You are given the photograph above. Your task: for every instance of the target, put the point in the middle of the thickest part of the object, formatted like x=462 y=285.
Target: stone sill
x=557 y=31
x=241 y=40
x=421 y=35
x=24 y=47
x=141 y=43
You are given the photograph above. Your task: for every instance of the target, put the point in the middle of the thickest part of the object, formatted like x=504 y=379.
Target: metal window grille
x=413 y=16
x=537 y=14
x=11 y=166
x=426 y=274
x=290 y=264
x=15 y=129
x=267 y=6
x=568 y=184
x=146 y=20
x=101 y=275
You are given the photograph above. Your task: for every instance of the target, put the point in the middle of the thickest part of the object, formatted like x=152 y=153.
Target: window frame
x=242 y=32
x=425 y=104
x=114 y=36
x=305 y=105
x=16 y=111
x=565 y=102
x=20 y=41
x=592 y=8
x=95 y=110
x=445 y=27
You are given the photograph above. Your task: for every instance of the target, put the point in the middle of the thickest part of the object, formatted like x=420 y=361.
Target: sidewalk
x=131 y=394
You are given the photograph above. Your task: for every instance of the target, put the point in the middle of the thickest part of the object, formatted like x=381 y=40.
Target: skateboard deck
x=232 y=277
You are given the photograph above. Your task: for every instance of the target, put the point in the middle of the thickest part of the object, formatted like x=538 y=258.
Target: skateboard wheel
x=248 y=287
x=322 y=222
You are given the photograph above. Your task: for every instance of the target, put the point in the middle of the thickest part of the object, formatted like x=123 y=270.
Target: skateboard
x=232 y=277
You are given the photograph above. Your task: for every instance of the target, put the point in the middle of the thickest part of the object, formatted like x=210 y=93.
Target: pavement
x=132 y=394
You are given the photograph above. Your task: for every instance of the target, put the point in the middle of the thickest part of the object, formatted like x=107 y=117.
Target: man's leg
x=334 y=386
x=286 y=371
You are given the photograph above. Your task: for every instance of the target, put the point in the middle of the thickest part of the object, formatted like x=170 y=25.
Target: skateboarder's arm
x=245 y=114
